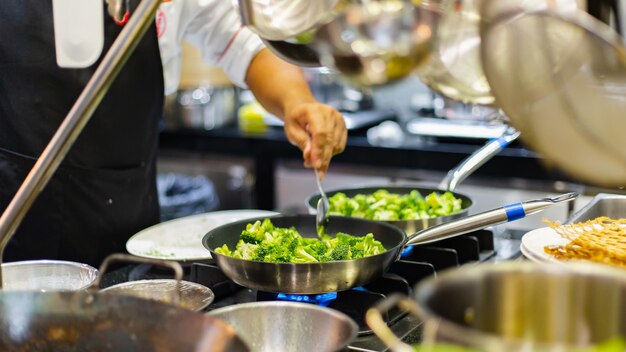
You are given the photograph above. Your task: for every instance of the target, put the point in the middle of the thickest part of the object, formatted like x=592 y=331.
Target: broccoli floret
x=224 y=250
x=262 y=241
x=340 y=252
x=254 y=233
x=302 y=256
x=247 y=251
x=386 y=206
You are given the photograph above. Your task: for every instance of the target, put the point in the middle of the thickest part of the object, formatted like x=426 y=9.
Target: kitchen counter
x=431 y=154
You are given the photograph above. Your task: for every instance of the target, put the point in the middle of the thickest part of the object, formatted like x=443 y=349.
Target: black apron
x=105 y=189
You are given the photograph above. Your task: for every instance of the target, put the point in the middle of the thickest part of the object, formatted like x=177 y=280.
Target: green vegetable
x=264 y=242
x=382 y=205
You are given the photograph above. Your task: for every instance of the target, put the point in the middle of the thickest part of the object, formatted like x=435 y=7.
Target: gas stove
x=416 y=263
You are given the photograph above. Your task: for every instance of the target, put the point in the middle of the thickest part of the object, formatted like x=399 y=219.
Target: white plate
x=533 y=244
x=181 y=239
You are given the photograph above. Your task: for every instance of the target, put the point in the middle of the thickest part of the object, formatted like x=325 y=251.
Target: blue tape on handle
x=514 y=211
x=502 y=142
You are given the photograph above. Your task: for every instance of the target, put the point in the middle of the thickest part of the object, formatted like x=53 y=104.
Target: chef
x=105 y=189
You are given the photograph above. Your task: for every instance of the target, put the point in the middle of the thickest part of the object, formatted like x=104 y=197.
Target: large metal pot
x=516 y=306
x=47 y=275
x=289 y=326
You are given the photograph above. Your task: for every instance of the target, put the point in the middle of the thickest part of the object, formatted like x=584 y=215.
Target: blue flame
x=323 y=299
x=406 y=251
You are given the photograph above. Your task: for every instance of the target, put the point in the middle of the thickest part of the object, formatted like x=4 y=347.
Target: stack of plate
x=534 y=242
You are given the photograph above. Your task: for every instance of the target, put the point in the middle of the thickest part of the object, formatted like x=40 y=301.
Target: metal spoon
x=321 y=217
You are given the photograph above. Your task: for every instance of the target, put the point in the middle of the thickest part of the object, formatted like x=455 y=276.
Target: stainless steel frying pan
x=307 y=278
x=449 y=183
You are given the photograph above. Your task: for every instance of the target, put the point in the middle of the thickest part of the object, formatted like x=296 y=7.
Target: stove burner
x=416 y=263
x=323 y=299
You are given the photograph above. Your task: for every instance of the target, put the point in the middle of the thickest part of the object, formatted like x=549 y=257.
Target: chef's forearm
x=276 y=84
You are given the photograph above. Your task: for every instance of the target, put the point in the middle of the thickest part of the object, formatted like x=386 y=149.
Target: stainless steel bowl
x=376 y=42
x=190 y=295
x=523 y=306
x=288 y=326
x=47 y=275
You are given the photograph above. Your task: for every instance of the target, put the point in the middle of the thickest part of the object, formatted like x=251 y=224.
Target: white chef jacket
x=214 y=27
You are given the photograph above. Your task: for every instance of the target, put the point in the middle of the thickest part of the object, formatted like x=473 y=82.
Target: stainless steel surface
x=478 y=221
x=408 y=226
x=524 y=306
x=603 y=204
x=76 y=119
x=83 y=321
x=282 y=19
x=307 y=278
x=375 y=42
x=192 y=295
x=568 y=91
x=477 y=159
x=47 y=275
x=321 y=216
x=288 y=326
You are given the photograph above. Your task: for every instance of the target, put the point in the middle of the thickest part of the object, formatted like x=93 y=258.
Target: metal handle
x=374 y=319
x=479 y=221
x=76 y=120
x=477 y=159
x=119 y=257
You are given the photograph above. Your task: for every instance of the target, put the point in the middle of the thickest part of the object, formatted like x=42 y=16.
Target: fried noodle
x=600 y=240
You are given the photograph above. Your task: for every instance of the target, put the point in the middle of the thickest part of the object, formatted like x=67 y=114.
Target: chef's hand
x=318 y=130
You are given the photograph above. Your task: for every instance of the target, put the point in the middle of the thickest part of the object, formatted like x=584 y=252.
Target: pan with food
x=413 y=208
x=319 y=276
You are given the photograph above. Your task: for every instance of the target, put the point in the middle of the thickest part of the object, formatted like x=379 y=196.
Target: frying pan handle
x=477 y=159
x=479 y=221
x=374 y=319
x=119 y=257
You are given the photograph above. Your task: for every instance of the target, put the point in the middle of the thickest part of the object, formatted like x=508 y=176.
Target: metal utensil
x=514 y=306
x=321 y=217
x=345 y=274
x=288 y=326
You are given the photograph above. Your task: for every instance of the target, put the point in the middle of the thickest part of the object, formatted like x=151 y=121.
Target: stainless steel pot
x=47 y=275
x=516 y=306
x=288 y=326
